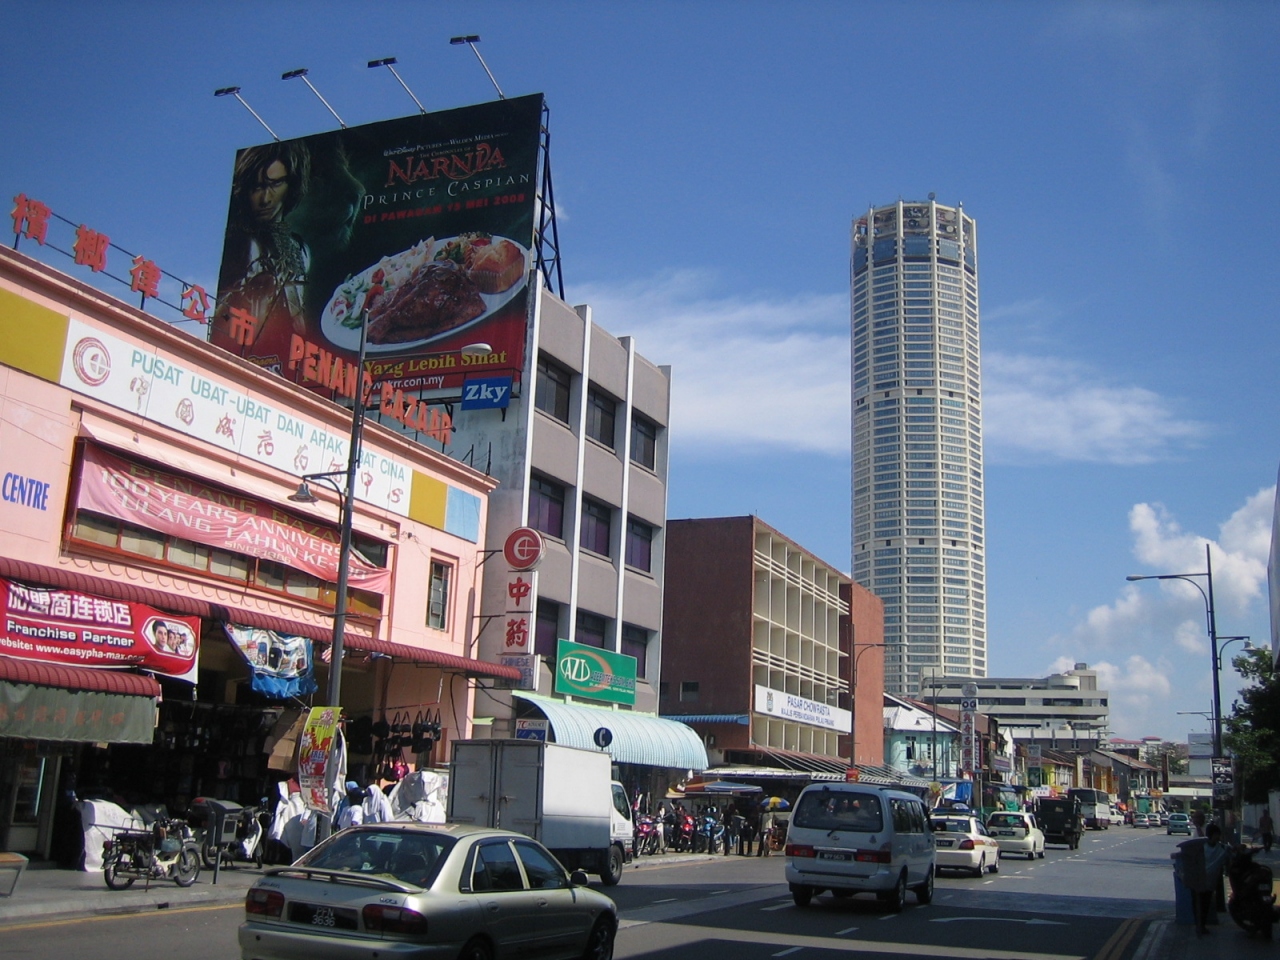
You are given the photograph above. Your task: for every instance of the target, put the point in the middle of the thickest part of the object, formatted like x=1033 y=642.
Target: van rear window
x=839 y=810
x=1006 y=820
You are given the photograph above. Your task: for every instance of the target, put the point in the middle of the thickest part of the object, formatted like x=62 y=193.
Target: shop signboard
x=315 y=753
x=585 y=671
x=189 y=508
x=28 y=712
x=418 y=229
x=531 y=729
x=522 y=600
x=66 y=626
x=789 y=706
x=1223 y=776
x=281 y=664
x=969 y=759
x=528 y=664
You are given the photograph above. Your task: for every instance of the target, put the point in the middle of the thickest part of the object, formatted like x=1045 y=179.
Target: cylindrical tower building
x=918 y=519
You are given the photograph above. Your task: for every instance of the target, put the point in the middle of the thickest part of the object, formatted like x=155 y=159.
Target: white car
x=1016 y=833
x=962 y=842
x=1117 y=818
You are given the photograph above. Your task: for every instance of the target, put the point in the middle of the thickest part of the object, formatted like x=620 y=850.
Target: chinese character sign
x=65 y=626
x=521 y=601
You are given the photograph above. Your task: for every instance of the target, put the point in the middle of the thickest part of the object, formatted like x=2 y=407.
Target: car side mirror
x=579 y=878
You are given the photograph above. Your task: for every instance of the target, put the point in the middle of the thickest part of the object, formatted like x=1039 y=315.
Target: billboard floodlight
x=235 y=92
x=301 y=74
x=390 y=64
x=471 y=40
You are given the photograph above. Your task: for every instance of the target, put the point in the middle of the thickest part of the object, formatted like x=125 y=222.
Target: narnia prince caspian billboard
x=422 y=228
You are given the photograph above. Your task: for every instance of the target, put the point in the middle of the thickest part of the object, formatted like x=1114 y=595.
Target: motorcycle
x=250 y=839
x=165 y=851
x=1252 y=905
x=647 y=840
x=711 y=834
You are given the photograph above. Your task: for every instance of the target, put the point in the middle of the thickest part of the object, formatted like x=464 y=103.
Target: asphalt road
x=1090 y=904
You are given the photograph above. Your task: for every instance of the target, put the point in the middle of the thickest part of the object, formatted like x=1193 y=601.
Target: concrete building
x=918 y=518
x=762 y=639
x=1063 y=711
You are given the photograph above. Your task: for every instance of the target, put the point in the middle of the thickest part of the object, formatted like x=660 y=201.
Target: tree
x=1253 y=728
x=1155 y=753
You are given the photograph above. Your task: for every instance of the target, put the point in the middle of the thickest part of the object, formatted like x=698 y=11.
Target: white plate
x=348 y=338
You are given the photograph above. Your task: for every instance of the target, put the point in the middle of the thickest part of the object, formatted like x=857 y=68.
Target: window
x=496 y=869
x=639 y=545
x=689 y=691
x=601 y=412
x=551 y=395
x=544 y=873
x=635 y=643
x=596 y=523
x=546 y=629
x=546 y=506
x=591 y=629
x=644 y=441
x=438 y=596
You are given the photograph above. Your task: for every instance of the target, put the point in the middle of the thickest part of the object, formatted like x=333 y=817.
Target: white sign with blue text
x=788 y=706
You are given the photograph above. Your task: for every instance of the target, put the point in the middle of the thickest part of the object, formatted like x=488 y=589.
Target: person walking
x=766 y=830
x=1203 y=862
x=1267 y=829
x=749 y=830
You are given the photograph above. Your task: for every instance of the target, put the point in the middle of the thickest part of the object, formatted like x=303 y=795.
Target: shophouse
x=771 y=654
x=168 y=607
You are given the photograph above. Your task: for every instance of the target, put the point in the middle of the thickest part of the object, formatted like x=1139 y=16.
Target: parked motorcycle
x=647 y=840
x=250 y=839
x=1252 y=904
x=711 y=833
x=165 y=851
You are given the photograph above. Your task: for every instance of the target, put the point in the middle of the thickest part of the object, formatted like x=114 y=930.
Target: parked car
x=849 y=838
x=963 y=843
x=1178 y=823
x=1016 y=833
x=421 y=889
x=1140 y=820
x=1164 y=818
x=1118 y=818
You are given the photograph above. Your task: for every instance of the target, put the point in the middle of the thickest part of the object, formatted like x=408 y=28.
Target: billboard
x=586 y=671
x=420 y=228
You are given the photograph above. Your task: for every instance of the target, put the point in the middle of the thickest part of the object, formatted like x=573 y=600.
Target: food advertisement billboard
x=421 y=228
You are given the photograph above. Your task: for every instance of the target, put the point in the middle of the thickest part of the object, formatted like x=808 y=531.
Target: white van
x=851 y=838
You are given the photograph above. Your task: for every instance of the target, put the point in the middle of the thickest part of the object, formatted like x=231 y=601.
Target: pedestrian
x=749 y=831
x=1197 y=821
x=766 y=830
x=1267 y=829
x=1203 y=862
x=728 y=818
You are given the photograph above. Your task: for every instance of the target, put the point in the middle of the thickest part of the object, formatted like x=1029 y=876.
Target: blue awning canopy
x=637 y=737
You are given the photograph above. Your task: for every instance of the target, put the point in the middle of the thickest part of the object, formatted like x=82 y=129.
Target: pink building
x=167 y=607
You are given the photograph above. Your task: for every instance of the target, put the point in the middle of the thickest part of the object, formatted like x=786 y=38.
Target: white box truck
x=563 y=797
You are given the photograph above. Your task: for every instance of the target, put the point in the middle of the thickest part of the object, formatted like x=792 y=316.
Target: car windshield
x=839 y=810
x=1006 y=820
x=950 y=826
x=1177 y=816
x=409 y=857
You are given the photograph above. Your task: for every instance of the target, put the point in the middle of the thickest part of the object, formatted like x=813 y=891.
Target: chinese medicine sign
x=522 y=600
x=65 y=626
x=315 y=749
x=185 y=507
x=417 y=231
x=968 y=728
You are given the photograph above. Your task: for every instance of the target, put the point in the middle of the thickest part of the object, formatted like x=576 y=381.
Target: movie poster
x=420 y=228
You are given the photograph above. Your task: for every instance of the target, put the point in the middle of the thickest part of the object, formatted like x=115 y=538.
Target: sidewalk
x=47 y=893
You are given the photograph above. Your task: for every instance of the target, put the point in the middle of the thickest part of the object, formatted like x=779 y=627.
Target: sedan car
x=1016 y=833
x=961 y=842
x=1178 y=823
x=1140 y=820
x=417 y=890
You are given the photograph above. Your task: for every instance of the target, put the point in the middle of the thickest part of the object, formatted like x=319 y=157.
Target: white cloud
x=1138 y=690
x=745 y=371
x=1048 y=409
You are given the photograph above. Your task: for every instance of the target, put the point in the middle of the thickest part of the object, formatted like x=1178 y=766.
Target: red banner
x=193 y=510
x=63 y=626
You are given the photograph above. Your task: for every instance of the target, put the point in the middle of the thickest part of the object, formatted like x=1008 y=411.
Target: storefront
x=148 y=485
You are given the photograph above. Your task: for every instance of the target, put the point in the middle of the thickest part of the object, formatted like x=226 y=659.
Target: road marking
x=1151 y=941
x=1115 y=947
x=667 y=900
x=716 y=893
x=889 y=916
x=124 y=915
x=841 y=933
x=776 y=906
x=783 y=953
x=1035 y=921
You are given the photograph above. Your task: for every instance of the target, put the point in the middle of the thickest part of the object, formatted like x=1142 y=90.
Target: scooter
x=1252 y=904
x=249 y=842
x=165 y=851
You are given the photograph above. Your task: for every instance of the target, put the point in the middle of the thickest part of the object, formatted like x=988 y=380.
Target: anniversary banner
x=65 y=626
x=421 y=227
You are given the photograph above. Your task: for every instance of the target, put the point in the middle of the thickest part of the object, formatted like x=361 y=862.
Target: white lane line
x=667 y=900
x=889 y=916
x=841 y=933
x=776 y=906
x=716 y=893
x=783 y=953
x=985 y=882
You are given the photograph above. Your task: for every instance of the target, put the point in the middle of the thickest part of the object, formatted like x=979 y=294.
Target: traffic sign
x=602 y=737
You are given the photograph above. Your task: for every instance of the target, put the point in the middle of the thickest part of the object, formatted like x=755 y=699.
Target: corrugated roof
x=77 y=678
x=637 y=737
x=449 y=661
x=739 y=718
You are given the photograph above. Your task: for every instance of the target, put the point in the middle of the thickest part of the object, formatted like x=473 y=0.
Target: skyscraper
x=918 y=525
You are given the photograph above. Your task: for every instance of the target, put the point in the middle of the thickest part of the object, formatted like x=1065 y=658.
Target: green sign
x=583 y=671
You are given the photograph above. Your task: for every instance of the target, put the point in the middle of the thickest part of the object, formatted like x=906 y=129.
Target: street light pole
x=853 y=701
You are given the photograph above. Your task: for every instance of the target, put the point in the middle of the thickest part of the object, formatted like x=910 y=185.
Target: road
x=1089 y=904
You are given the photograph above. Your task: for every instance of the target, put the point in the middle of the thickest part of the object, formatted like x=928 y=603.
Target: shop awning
x=193 y=606
x=46 y=701
x=637 y=737
x=691 y=718
x=77 y=678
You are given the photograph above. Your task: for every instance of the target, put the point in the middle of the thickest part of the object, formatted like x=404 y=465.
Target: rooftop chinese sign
x=419 y=230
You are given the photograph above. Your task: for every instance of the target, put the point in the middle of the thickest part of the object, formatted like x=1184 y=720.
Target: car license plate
x=834 y=855
x=319 y=915
x=1005 y=833
x=945 y=843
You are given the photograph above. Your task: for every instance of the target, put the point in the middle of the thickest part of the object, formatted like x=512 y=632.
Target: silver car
x=416 y=890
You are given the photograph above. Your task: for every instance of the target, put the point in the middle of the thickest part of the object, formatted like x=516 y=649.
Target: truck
x=1095 y=807
x=1061 y=820
x=564 y=797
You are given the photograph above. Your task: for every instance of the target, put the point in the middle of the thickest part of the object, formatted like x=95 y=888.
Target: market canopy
x=721 y=788
x=637 y=737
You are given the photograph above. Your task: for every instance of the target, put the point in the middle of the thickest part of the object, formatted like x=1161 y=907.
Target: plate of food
x=432 y=290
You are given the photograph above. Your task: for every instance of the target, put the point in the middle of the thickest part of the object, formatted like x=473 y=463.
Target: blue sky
x=708 y=158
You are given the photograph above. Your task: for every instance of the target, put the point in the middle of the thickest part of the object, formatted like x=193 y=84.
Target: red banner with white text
x=185 y=507
x=65 y=626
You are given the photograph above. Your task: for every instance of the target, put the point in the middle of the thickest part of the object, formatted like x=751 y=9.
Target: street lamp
x=1213 y=635
x=853 y=701
x=1224 y=642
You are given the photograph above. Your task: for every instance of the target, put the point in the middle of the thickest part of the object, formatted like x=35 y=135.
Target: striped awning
x=637 y=737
